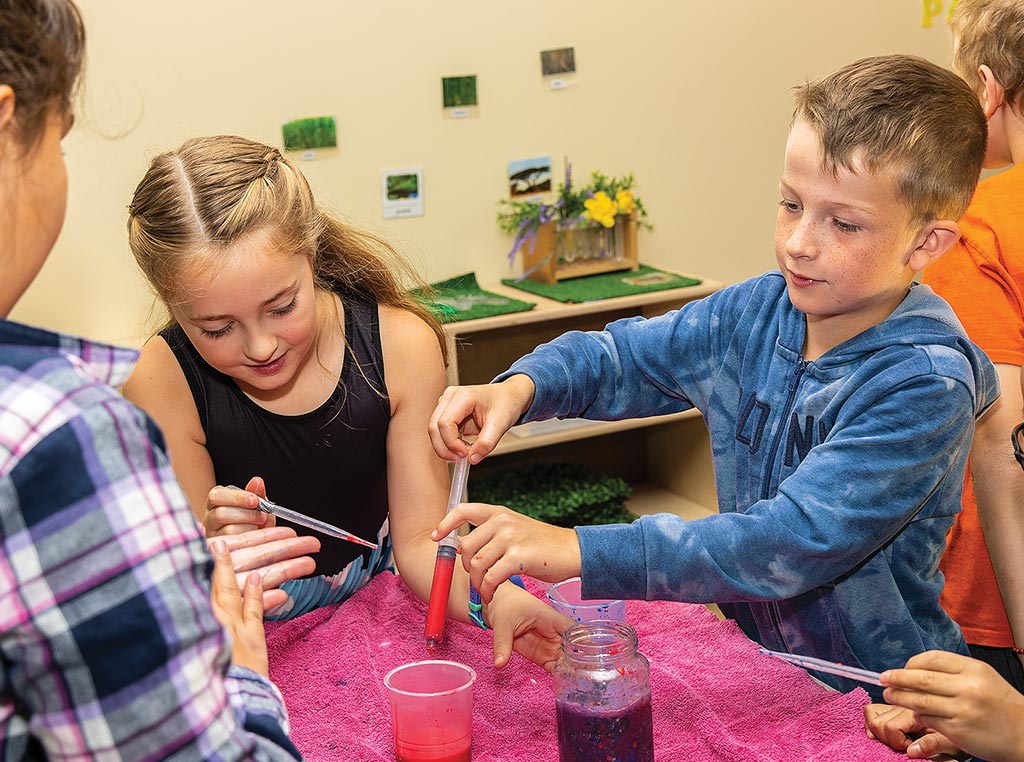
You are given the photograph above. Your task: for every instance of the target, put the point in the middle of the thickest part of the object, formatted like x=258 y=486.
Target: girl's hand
x=506 y=543
x=964 y=700
x=527 y=625
x=277 y=554
x=242 y=616
x=485 y=411
x=233 y=511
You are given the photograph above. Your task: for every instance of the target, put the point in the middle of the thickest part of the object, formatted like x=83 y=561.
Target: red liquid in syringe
x=440 y=587
x=444 y=566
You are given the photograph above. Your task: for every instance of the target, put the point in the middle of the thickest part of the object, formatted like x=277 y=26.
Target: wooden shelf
x=516 y=440
x=648 y=499
x=666 y=459
x=549 y=309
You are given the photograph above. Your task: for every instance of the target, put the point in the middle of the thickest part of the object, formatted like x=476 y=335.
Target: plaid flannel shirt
x=109 y=648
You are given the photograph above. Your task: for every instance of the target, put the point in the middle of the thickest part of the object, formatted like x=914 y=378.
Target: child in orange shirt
x=982 y=278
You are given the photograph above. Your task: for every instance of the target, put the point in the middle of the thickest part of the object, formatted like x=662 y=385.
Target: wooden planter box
x=581 y=250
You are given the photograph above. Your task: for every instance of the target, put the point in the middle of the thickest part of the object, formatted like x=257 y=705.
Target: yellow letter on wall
x=932 y=8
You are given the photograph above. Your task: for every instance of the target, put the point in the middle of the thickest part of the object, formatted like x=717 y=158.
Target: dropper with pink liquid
x=444 y=565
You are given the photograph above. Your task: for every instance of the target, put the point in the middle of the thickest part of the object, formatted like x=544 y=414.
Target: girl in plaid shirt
x=109 y=645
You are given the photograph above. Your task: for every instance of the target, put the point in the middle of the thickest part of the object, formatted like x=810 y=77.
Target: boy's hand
x=277 y=554
x=486 y=411
x=233 y=511
x=506 y=543
x=242 y=616
x=963 y=699
x=526 y=624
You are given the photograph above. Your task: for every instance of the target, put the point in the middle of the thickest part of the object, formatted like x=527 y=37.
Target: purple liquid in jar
x=623 y=735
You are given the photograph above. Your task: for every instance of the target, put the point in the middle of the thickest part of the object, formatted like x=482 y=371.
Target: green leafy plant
x=563 y=494
x=597 y=203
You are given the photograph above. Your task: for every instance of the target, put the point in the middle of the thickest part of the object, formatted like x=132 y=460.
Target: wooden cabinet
x=666 y=459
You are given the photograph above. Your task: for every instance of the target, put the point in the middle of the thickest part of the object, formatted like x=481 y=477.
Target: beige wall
x=692 y=97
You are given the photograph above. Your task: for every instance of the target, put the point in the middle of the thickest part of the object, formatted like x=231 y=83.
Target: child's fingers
x=273 y=598
x=930 y=745
x=256 y=486
x=252 y=601
x=228 y=519
x=275 y=552
x=454 y=519
x=920 y=703
x=476 y=514
x=875 y=716
x=224 y=594
x=230 y=496
x=922 y=680
x=890 y=724
x=444 y=425
x=487 y=575
x=504 y=637
x=223 y=572
x=939 y=661
x=277 y=574
x=258 y=537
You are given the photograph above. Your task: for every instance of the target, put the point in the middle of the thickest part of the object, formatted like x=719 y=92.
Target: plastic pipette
x=444 y=565
x=269 y=506
x=833 y=668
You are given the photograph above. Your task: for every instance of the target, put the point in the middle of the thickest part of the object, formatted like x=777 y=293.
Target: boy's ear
x=939 y=237
x=6 y=107
x=993 y=94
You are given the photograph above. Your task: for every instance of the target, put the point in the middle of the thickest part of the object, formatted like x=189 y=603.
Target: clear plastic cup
x=431 y=711
x=564 y=597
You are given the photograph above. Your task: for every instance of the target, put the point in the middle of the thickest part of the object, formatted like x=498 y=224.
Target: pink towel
x=714 y=697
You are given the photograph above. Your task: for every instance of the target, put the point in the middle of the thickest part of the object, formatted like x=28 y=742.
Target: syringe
x=444 y=565
x=269 y=506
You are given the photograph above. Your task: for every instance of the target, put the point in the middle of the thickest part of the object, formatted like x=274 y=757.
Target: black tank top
x=329 y=463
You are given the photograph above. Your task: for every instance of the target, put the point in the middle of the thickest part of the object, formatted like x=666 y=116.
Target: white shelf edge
x=511 y=443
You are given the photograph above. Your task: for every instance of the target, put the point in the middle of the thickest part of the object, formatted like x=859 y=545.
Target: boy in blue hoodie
x=840 y=397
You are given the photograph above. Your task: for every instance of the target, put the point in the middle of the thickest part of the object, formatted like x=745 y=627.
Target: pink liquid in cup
x=431 y=711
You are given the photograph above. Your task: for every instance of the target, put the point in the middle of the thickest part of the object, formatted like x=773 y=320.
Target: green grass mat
x=461 y=298
x=591 y=288
x=563 y=494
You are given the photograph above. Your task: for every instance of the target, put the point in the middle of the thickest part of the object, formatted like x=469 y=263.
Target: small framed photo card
x=402 y=192
x=458 y=95
x=308 y=135
x=557 y=65
x=529 y=177
x=558 y=62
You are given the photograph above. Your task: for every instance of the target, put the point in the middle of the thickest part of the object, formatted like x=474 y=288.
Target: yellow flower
x=601 y=208
x=626 y=202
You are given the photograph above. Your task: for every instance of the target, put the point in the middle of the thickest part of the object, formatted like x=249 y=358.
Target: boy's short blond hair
x=905 y=115
x=991 y=32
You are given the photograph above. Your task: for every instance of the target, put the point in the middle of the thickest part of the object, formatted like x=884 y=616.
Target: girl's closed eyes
x=220 y=333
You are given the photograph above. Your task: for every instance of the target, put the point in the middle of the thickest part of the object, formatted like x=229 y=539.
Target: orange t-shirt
x=982 y=278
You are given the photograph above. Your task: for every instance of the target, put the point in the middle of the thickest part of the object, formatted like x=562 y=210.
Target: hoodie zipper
x=772 y=607
x=794 y=381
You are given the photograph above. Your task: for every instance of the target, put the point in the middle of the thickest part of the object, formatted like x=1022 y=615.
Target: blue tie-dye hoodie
x=837 y=479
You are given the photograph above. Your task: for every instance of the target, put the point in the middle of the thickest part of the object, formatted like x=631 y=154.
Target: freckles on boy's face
x=842 y=240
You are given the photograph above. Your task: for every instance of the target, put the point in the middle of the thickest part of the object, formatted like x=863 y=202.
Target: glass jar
x=603 y=695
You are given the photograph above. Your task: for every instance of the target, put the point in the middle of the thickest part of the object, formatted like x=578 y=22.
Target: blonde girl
x=297 y=364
